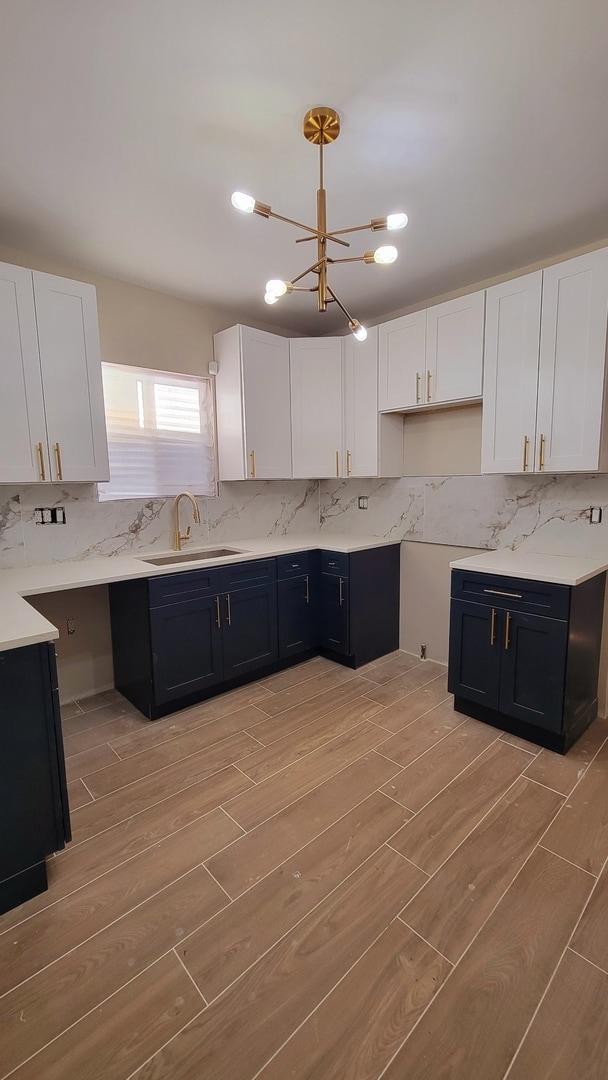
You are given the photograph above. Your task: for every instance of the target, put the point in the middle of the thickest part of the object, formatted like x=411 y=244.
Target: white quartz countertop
x=21 y=624
x=559 y=569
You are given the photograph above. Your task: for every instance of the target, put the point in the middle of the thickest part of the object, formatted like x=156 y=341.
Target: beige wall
x=425 y=596
x=444 y=442
x=84 y=658
x=140 y=326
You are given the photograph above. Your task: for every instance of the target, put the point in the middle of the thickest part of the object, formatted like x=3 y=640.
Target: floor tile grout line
x=562 y=857
x=187 y=733
x=304 y=757
x=416 y=719
x=557 y=966
x=328 y=690
x=434 y=747
x=197 y=988
x=162 y=768
x=86 y=789
x=90 y=881
x=320 y=716
x=107 y=998
x=324 y=999
x=452 y=963
x=303 y=917
x=598 y=967
x=547 y=787
x=226 y=893
x=243 y=774
x=309 y=792
x=381 y=686
x=102 y=929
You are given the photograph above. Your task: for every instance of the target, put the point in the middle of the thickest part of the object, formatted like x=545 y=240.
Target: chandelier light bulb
x=396 y=221
x=276 y=287
x=270 y=297
x=357 y=330
x=385 y=255
x=243 y=202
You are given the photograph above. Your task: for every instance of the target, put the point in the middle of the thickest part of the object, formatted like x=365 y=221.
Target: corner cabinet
x=545 y=366
x=316 y=407
x=373 y=443
x=253 y=405
x=34 y=812
x=524 y=655
x=52 y=421
x=432 y=357
x=178 y=638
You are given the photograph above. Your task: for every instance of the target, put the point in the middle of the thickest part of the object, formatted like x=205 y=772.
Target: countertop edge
x=552 y=569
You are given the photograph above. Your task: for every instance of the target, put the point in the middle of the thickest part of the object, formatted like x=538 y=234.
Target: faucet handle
x=186 y=535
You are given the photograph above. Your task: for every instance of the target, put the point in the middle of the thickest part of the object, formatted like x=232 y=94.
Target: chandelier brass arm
x=322 y=126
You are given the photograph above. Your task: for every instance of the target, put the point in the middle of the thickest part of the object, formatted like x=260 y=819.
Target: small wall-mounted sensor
x=595 y=515
x=213 y=367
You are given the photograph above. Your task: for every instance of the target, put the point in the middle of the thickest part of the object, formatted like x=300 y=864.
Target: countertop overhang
x=557 y=569
x=21 y=624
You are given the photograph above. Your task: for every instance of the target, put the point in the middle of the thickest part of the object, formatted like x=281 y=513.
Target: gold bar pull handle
x=58 y=457
x=252 y=457
x=541 y=454
x=41 y=461
x=417 y=387
x=307 y=595
x=228 y=613
x=337 y=462
x=526 y=449
x=428 y=385
x=341 y=592
x=218 y=618
x=507 y=629
x=493 y=627
x=348 y=461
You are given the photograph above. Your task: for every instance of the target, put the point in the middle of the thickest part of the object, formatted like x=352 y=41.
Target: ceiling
x=125 y=125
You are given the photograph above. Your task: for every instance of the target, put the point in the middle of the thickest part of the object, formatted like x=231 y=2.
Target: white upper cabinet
x=373 y=443
x=316 y=407
x=433 y=357
x=545 y=369
x=253 y=405
x=511 y=375
x=52 y=422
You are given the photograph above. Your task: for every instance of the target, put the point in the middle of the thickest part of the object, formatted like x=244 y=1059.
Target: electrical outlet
x=595 y=515
x=71 y=626
x=423 y=652
x=362 y=502
x=38 y=516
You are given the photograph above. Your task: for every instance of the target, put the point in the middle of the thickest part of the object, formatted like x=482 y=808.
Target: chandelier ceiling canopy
x=321 y=126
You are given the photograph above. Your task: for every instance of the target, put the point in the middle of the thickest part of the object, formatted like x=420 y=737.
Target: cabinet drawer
x=243 y=575
x=334 y=562
x=298 y=565
x=519 y=594
x=173 y=588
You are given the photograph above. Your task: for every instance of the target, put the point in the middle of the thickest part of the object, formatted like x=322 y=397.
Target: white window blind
x=160 y=433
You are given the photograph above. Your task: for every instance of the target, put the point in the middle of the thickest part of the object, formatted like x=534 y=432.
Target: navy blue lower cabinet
x=334 y=614
x=34 y=812
x=249 y=629
x=296 y=616
x=186 y=647
x=524 y=655
x=359 y=604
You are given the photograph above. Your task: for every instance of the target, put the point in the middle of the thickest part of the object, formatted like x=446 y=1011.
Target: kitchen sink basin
x=193 y=556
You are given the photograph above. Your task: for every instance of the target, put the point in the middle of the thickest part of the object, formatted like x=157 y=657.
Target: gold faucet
x=177 y=535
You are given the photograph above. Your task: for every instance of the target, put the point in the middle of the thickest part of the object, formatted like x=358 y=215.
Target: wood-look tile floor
x=326 y=875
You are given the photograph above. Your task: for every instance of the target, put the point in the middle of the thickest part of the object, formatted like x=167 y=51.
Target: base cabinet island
x=525 y=650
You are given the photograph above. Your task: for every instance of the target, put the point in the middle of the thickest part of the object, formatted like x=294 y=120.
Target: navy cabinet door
x=249 y=629
x=295 y=617
x=333 y=614
x=186 y=648
x=475 y=652
x=533 y=668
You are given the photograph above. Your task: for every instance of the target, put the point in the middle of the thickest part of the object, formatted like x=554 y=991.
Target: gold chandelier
x=322 y=126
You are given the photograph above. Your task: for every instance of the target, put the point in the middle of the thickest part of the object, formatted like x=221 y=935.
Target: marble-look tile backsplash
x=254 y=508
x=538 y=513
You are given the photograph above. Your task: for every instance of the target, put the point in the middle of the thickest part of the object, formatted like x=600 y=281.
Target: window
x=160 y=433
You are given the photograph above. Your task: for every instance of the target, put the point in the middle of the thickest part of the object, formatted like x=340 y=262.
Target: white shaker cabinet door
x=572 y=364
x=266 y=412
x=510 y=375
x=316 y=407
x=68 y=339
x=402 y=362
x=23 y=442
x=373 y=442
x=454 y=349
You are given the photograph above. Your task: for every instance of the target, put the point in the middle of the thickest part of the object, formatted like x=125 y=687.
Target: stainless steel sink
x=193 y=556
